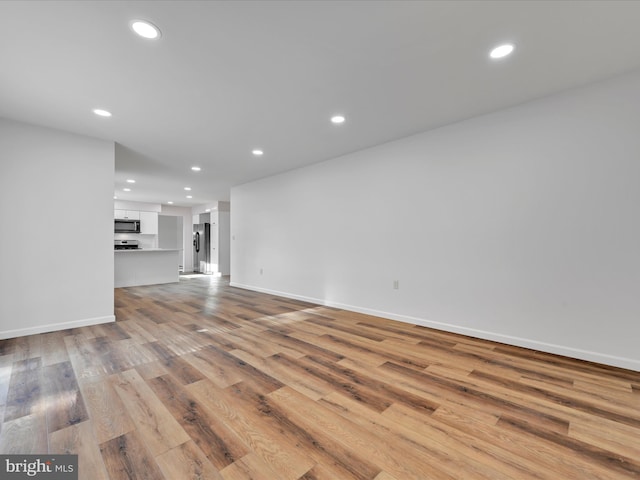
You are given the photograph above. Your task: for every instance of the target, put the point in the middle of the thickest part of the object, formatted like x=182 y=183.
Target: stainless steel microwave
x=127 y=226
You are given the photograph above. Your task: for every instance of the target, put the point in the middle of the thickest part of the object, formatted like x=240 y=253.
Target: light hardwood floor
x=199 y=380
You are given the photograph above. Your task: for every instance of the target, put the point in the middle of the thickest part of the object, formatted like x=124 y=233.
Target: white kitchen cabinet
x=149 y=223
x=145 y=267
x=127 y=215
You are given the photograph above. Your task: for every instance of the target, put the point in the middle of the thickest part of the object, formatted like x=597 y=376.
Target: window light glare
x=257 y=152
x=337 y=119
x=101 y=113
x=501 y=51
x=145 y=29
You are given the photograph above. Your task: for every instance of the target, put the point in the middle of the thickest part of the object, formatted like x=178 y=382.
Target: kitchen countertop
x=135 y=250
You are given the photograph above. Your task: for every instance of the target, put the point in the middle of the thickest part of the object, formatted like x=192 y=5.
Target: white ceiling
x=227 y=77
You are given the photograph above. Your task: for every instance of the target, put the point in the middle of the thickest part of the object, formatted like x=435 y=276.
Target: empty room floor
x=200 y=380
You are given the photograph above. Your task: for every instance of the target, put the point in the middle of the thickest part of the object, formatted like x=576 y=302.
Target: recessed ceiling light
x=501 y=51
x=196 y=169
x=337 y=119
x=257 y=152
x=145 y=29
x=126 y=189
x=102 y=113
x=130 y=180
x=187 y=189
x=170 y=202
x=208 y=210
x=115 y=198
x=189 y=196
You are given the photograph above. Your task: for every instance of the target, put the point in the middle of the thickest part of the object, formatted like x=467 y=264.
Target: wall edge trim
x=54 y=327
x=576 y=353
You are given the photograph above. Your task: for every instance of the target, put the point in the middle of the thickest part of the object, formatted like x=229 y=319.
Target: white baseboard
x=597 y=357
x=54 y=327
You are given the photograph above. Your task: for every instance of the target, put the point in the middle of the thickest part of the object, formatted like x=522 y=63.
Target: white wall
x=521 y=226
x=224 y=253
x=220 y=233
x=169 y=233
x=136 y=206
x=56 y=206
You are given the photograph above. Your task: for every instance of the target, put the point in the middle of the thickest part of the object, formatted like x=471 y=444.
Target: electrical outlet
x=396 y=285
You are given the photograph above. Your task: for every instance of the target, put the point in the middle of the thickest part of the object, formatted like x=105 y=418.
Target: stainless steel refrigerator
x=202 y=248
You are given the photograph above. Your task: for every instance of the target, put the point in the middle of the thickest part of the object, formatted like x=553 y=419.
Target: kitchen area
x=138 y=259
x=154 y=243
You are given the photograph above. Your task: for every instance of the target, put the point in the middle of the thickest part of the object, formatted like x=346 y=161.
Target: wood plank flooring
x=199 y=380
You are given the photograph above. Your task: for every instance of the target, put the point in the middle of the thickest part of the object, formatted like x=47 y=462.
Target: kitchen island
x=149 y=266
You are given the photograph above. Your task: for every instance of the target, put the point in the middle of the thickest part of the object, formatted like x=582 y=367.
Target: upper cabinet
x=129 y=215
x=148 y=223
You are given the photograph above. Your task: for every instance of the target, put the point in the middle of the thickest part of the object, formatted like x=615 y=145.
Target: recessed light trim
x=101 y=112
x=257 y=152
x=502 y=51
x=146 y=29
x=196 y=169
x=338 y=119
